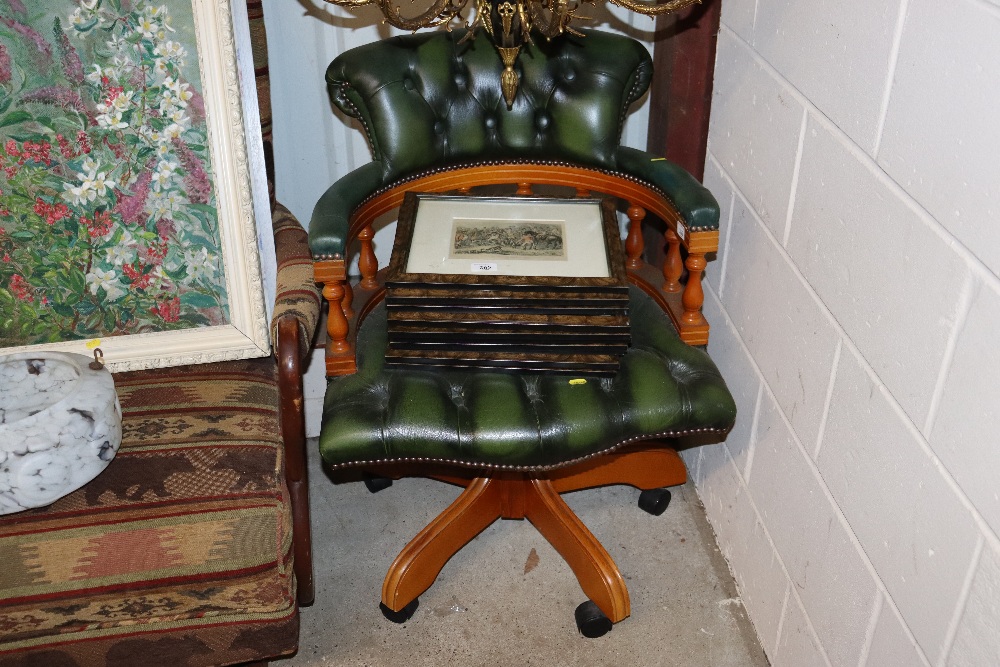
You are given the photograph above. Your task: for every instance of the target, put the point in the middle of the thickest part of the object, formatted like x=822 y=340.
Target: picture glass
x=514 y=237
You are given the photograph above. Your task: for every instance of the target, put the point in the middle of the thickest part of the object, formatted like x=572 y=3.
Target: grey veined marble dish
x=60 y=426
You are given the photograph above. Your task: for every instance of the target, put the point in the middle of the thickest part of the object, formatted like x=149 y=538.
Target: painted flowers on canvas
x=108 y=223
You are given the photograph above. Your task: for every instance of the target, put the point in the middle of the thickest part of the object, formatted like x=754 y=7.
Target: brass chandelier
x=509 y=23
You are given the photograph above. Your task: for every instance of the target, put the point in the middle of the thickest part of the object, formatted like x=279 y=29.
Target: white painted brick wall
x=909 y=520
x=791 y=337
x=716 y=181
x=739 y=16
x=978 y=638
x=797 y=645
x=941 y=138
x=836 y=53
x=744 y=382
x=854 y=148
x=827 y=571
x=754 y=128
x=845 y=204
x=892 y=645
x=967 y=423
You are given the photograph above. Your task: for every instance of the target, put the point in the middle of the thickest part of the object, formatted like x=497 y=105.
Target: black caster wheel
x=375 y=484
x=654 y=501
x=401 y=616
x=591 y=621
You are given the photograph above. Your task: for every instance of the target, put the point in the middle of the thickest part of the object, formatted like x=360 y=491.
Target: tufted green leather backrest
x=427 y=100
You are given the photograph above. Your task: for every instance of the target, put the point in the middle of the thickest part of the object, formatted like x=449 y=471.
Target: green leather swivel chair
x=431 y=107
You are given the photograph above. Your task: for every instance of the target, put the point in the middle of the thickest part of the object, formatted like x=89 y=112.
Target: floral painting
x=108 y=219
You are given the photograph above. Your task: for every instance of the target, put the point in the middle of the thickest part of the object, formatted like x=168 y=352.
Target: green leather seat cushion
x=665 y=388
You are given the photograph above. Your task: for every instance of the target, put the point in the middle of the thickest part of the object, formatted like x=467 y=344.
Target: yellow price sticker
x=93 y=344
x=578 y=381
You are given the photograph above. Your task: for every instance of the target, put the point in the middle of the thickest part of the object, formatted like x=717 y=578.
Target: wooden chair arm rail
x=293 y=434
x=581 y=178
x=683 y=300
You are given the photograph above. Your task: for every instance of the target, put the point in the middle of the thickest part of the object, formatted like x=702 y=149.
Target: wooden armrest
x=293 y=325
x=287 y=345
x=682 y=301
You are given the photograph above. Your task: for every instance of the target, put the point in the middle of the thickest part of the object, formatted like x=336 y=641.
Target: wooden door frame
x=681 y=93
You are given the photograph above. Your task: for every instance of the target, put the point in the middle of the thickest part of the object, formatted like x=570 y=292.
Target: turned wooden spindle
x=336 y=322
x=634 y=243
x=367 y=262
x=345 y=304
x=524 y=188
x=693 y=296
x=672 y=264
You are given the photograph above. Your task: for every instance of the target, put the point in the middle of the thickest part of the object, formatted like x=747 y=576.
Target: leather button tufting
x=460 y=80
x=458 y=395
x=569 y=74
x=532 y=391
x=542 y=120
x=491 y=121
x=408 y=83
x=439 y=127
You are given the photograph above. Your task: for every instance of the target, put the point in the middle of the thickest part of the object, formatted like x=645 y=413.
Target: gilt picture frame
x=506 y=243
x=128 y=184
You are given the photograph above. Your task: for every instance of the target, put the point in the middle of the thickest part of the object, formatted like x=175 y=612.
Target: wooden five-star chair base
x=532 y=496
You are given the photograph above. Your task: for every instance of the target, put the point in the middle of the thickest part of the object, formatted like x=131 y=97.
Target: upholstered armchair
x=433 y=112
x=193 y=546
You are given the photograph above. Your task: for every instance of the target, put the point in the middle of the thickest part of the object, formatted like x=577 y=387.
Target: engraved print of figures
x=503 y=238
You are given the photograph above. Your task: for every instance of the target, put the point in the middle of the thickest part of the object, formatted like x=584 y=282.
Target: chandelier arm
x=552 y=25
x=655 y=9
x=440 y=12
x=483 y=19
x=349 y=3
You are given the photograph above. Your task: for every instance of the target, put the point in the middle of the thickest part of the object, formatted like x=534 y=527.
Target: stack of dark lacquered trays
x=573 y=325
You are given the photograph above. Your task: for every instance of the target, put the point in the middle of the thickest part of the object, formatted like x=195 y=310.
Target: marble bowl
x=60 y=426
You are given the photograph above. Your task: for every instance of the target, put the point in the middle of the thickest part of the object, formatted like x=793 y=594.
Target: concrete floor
x=508 y=598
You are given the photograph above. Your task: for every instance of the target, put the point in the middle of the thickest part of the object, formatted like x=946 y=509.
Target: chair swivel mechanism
x=431 y=107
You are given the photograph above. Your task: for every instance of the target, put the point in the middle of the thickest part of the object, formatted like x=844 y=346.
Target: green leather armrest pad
x=694 y=202
x=331 y=215
x=523 y=421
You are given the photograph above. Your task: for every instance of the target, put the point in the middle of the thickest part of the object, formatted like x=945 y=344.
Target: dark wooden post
x=681 y=92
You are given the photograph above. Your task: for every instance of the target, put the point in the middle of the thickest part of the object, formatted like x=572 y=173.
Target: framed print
x=506 y=243
x=126 y=206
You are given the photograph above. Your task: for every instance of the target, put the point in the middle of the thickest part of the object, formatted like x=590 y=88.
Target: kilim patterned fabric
x=297 y=292
x=180 y=552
